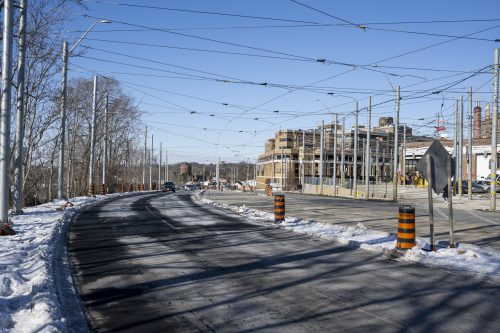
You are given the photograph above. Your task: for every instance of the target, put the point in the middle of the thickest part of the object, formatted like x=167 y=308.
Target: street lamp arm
x=86 y=33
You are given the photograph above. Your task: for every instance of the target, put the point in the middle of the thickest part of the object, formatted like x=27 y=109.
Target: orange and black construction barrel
x=91 y=191
x=406 y=227
x=279 y=208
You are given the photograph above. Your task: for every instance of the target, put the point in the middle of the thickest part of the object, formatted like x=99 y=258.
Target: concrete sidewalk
x=472 y=224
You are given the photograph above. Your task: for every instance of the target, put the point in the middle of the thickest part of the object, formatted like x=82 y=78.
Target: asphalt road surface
x=163 y=263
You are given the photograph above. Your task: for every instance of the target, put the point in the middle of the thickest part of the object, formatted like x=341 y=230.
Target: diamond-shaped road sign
x=438 y=166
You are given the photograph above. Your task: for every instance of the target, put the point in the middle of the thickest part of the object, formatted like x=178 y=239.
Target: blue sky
x=219 y=85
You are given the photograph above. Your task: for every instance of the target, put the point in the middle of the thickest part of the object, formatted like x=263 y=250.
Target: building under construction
x=296 y=157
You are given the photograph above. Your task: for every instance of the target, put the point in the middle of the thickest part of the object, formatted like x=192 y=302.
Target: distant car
x=190 y=187
x=168 y=187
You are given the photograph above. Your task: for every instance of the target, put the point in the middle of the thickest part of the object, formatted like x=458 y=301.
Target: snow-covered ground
x=32 y=263
x=481 y=262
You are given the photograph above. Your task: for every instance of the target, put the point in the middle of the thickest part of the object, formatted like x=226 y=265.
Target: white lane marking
x=162 y=220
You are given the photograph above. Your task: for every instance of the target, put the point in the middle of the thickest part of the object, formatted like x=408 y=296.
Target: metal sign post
x=431 y=204
x=450 y=201
x=437 y=167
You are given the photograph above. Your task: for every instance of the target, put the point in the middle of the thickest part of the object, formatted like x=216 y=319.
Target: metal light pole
x=469 y=149
x=460 y=144
x=91 y=191
x=404 y=155
x=367 y=158
x=18 y=156
x=302 y=168
x=151 y=165
x=377 y=157
x=281 y=170
x=144 y=159
x=314 y=155
x=64 y=96
x=6 y=108
x=455 y=144
x=105 y=148
x=355 y=157
x=217 y=173
x=342 y=157
x=396 y=149
x=334 y=175
x=159 y=168
x=494 y=133
x=321 y=156
x=166 y=165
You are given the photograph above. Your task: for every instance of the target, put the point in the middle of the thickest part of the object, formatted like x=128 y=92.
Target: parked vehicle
x=476 y=187
x=168 y=187
x=485 y=184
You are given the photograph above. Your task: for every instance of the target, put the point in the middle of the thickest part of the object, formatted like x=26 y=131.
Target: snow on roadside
x=28 y=293
x=466 y=259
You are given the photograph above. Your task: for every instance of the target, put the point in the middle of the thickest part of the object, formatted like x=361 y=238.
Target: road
x=163 y=263
x=471 y=225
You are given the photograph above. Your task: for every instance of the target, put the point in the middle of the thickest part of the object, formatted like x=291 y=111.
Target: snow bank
x=29 y=278
x=466 y=259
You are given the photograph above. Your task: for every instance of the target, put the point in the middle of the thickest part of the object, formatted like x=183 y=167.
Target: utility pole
x=104 y=158
x=281 y=169
x=363 y=154
x=469 y=150
x=404 y=155
x=60 y=173
x=460 y=144
x=166 y=165
x=5 y=111
x=395 y=178
x=302 y=168
x=92 y=140
x=159 y=168
x=455 y=144
x=367 y=158
x=335 y=155
x=145 y=158
x=494 y=133
x=377 y=157
x=18 y=159
x=314 y=156
x=355 y=158
x=248 y=169
x=321 y=157
x=342 y=158
x=64 y=96
x=151 y=165
x=217 y=172
x=255 y=175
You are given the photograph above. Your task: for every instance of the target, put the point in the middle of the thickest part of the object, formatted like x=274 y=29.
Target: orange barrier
x=406 y=227
x=279 y=208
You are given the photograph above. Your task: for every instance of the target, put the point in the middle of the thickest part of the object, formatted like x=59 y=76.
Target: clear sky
x=217 y=78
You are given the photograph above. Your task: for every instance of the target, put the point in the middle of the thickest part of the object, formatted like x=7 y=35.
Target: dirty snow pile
x=29 y=274
x=466 y=259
